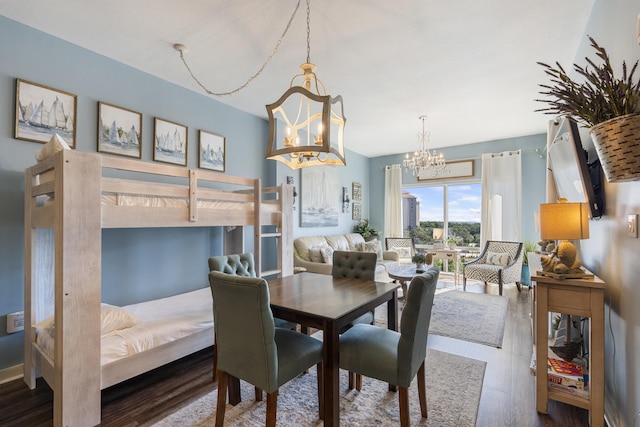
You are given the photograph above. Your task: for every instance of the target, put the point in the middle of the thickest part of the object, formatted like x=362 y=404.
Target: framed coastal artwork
x=320 y=197
x=169 y=142
x=356 y=211
x=211 y=151
x=356 y=191
x=42 y=111
x=119 y=131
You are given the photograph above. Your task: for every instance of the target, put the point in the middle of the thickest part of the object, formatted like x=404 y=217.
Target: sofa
x=314 y=253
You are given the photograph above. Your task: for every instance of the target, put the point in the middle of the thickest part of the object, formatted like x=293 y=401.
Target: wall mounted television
x=576 y=179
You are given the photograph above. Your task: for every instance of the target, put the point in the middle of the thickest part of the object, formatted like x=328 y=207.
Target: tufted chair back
x=236 y=265
x=357 y=265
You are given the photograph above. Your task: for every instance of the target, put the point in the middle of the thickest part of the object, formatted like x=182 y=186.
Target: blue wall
x=138 y=264
x=533 y=172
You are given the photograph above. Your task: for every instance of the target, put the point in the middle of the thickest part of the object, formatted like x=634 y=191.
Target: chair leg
x=258 y=394
x=519 y=286
x=320 y=391
x=351 y=380
x=223 y=379
x=464 y=283
x=422 y=391
x=272 y=408
x=359 y=382
x=215 y=358
x=500 y=287
x=403 y=400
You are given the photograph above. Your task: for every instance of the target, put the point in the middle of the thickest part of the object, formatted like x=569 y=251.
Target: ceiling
x=469 y=66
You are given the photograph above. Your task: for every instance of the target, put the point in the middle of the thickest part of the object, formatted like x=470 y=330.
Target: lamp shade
x=564 y=221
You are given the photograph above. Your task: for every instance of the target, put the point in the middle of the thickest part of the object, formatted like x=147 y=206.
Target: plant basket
x=617 y=143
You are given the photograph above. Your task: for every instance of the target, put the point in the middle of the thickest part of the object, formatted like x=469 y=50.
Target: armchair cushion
x=498 y=258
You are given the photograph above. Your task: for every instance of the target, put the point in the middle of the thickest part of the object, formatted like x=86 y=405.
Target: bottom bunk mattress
x=135 y=328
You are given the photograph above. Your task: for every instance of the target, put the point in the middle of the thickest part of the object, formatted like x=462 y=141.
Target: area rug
x=470 y=316
x=466 y=316
x=454 y=384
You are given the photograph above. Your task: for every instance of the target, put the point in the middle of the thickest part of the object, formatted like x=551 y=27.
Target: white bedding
x=162 y=321
x=113 y=199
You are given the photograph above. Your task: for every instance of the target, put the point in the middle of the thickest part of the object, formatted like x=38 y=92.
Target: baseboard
x=12 y=373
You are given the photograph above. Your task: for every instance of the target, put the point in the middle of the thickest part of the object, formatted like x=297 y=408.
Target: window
x=452 y=208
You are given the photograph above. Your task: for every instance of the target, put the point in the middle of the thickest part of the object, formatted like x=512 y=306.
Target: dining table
x=328 y=303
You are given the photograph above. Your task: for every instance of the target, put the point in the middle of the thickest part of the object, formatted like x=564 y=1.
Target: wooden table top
x=325 y=296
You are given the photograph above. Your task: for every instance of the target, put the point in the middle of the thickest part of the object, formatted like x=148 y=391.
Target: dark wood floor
x=508 y=393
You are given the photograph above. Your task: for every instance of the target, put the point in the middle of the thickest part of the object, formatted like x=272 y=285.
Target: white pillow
x=112 y=318
x=403 y=252
x=55 y=144
x=371 y=246
x=315 y=254
x=327 y=254
x=498 y=258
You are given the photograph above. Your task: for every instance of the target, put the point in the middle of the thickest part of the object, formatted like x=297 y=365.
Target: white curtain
x=393 y=201
x=501 y=196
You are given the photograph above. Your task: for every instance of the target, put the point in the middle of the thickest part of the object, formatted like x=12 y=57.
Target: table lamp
x=563 y=221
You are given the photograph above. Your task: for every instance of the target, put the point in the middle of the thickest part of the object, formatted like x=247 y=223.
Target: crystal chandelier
x=424 y=161
x=306 y=125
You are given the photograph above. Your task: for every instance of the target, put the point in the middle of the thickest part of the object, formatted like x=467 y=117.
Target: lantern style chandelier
x=306 y=126
x=423 y=161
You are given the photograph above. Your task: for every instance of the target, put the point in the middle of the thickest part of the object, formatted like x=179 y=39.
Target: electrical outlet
x=15 y=322
x=632 y=225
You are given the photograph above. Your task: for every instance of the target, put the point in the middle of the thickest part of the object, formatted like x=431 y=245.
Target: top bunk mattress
x=161 y=321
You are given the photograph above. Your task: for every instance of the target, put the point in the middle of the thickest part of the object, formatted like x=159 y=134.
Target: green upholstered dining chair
x=242 y=265
x=251 y=348
x=356 y=265
x=239 y=265
x=395 y=357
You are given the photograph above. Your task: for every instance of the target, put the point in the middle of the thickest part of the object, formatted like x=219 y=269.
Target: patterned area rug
x=454 y=384
x=466 y=316
x=470 y=316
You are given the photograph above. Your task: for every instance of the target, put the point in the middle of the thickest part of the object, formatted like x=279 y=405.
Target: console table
x=446 y=255
x=579 y=297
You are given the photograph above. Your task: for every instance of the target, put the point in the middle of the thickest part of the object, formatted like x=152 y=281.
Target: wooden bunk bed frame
x=63 y=261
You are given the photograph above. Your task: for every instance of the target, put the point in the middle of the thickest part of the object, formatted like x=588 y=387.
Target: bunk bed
x=70 y=197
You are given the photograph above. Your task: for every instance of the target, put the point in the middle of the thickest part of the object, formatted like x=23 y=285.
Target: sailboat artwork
x=170 y=142
x=212 y=151
x=320 y=198
x=119 y=131
x=42 y=112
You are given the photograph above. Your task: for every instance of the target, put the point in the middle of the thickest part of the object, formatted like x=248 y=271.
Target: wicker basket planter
x=617 y=143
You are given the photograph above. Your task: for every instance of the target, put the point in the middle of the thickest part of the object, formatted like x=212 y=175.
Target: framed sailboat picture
x=212 y=151
x=119 y=131
x=41 y=112
x=320 y=197
x=169 y=142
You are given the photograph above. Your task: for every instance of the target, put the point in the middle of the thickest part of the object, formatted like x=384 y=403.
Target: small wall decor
x=356 y=211
x=119 y=131
x=212 y=151
x=319 y=197
x=345 y=200
x=42 y=111
x=356 y=191
x=456 y=169
x=169 y=142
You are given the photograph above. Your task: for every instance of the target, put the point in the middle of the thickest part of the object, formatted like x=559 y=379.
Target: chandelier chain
x=253 y=77
x=308 y=32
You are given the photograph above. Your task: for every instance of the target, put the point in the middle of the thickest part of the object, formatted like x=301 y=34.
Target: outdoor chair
x=499 y=262
x=404 y=246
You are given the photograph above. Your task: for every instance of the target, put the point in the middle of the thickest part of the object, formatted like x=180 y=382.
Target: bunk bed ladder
x=285 y=255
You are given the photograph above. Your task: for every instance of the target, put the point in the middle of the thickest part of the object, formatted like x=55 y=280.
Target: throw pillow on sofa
x=315 y=254
x=327 y=254
x=372 y=246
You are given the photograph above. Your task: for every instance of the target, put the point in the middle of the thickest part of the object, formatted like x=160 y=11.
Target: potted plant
x=418 y=259
x=605 y=103
x=366 y=230
x=452 y=242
